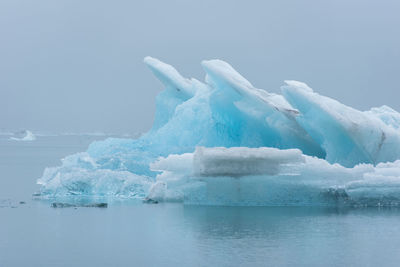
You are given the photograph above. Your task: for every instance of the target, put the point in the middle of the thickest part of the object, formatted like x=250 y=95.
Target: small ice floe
x=148 y=200
x=23 y=136
x=69 y=205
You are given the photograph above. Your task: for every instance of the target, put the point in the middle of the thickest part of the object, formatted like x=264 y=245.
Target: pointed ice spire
x=349 y=136
x=220 y=73
x=170 y=77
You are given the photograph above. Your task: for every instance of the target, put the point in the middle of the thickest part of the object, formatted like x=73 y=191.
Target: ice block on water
x=225 y=142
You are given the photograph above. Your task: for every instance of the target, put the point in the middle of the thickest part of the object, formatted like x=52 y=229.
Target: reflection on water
x=296 y=235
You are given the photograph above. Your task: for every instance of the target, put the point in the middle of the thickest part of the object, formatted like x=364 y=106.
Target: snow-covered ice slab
x=272 y=177
x=241 y=161
x=225 y=142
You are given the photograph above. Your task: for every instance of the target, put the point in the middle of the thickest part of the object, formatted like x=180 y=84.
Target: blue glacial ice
x=225 y=142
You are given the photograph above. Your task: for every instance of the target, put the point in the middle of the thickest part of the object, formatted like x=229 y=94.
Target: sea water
x=131 y=233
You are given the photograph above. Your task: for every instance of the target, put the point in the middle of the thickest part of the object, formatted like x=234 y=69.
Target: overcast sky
x=72 y=65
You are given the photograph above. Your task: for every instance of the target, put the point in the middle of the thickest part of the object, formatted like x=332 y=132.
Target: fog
x=71 y=65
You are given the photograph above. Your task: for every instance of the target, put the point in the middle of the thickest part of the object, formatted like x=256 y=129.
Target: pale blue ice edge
x=225 y=142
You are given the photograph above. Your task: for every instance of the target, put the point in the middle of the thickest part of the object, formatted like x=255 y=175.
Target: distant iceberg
x=225 y=142
x=23 y=136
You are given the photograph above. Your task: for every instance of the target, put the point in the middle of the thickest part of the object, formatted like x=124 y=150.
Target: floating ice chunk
x=253 y=148
x=82 y=205
x=25 y=136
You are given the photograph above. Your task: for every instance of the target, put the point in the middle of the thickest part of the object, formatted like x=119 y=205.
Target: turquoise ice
x=225 y=142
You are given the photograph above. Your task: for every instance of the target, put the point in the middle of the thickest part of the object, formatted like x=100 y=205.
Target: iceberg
x=225 y=142
x=24 y=136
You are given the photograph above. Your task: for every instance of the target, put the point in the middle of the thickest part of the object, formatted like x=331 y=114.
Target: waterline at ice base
x=225 y=142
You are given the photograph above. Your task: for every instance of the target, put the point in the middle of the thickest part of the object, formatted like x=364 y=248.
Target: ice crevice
x=225 y=142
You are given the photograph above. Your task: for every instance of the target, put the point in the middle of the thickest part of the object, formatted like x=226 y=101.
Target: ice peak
x=299 y=85
x=220 y=69
x=169 y=76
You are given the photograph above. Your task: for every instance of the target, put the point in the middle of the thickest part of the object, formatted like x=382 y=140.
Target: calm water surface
x=136 y=234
